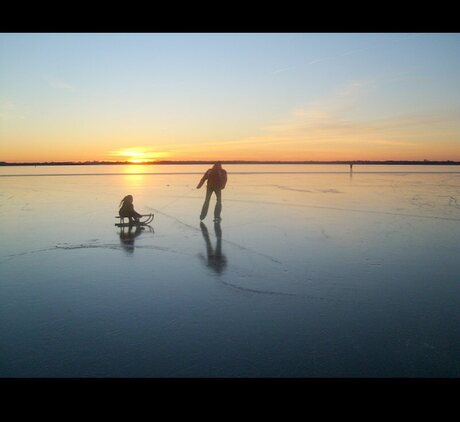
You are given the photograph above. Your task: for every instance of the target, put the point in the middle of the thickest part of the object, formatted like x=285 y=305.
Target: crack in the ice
x=115 y=247
x=110 y=246
x=434 y=217
x=265 y=292
x=307 y=190
x=348 y=209
x=453 y=202
x=11 y=256
x=294 y=189
x=224 y=240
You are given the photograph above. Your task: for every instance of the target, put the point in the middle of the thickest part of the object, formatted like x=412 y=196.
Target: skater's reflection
x=216 y=260
x=128 y=236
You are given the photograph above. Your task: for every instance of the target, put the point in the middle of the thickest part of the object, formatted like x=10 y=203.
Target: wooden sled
x=143 y=221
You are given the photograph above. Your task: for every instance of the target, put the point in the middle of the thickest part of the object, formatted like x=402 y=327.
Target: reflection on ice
x=215 y=260
x=129 y=234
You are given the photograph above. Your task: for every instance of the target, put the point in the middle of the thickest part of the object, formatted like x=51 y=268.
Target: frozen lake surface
x=313 y=272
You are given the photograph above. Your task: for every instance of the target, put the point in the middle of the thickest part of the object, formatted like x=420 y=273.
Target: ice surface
x=319 y=273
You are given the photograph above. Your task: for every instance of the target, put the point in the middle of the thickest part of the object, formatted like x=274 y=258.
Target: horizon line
x=167 y=162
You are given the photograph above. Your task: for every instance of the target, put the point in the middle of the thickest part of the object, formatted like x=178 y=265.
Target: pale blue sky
x=185 y=89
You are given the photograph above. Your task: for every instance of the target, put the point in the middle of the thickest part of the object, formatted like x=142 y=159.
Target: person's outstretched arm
x=203 y=179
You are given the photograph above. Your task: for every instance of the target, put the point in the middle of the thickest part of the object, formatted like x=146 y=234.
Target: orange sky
x=143 y=97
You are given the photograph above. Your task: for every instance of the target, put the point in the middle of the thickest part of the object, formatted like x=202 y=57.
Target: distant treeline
x=165 y=162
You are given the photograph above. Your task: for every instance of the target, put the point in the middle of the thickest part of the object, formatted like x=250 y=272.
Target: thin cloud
x=396 y=143
x=10 y=111
x=328 y=123
x=58 y=83
x=319 y=60
x=377 y=43
x=285 y=69
x=369 y=47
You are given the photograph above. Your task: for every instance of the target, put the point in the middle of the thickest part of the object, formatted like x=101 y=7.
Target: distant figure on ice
x=351 y=168
x=217 y=179
x=216 y=259
x=127 y=210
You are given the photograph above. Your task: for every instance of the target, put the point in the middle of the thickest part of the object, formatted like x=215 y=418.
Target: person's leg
x=218 y=232
x=218 y=208
x=209 y=249
x=204 y=210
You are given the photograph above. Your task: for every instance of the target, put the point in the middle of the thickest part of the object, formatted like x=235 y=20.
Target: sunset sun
x=138 y=155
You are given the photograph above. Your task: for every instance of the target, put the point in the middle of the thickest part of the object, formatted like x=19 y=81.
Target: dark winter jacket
x=217 y=179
